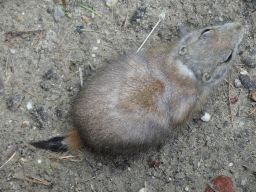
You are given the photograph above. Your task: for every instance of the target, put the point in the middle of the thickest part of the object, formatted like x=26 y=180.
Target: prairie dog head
x=210 y=52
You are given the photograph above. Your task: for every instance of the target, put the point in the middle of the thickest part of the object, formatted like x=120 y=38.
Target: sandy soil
x=44 y=75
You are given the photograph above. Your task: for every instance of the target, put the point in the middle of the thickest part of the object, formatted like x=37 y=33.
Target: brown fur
x=136 y=103
x=74 y=141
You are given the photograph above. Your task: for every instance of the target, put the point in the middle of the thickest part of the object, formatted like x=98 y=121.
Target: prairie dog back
x=136 y=103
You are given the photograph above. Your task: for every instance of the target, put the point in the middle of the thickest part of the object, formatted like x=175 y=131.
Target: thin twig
x=6 y=66
x=228 y=82
x=36 y=180
x=81 y=76
x=9 y=151
x=39 y=38
x=89 y=9
x=125 y=20
x=252 y=111
x=162 y=16
x=72 y=75
x=62 y=39
x=63 y=157
x=90 y=30
x=24 y=90
x=229 y=101
x=8 y=160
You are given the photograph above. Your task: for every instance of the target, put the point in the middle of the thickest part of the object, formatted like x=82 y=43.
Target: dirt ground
x=39 y=79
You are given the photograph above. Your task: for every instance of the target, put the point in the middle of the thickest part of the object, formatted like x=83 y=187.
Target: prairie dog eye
x=183 y=50
x=229 y=57
x=207 y=77
x=205 y=31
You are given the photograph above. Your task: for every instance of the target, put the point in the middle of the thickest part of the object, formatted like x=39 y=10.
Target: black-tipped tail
x=55 y=144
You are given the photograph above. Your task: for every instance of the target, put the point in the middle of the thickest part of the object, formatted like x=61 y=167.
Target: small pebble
x=221 y=183
x=253 y=96
x=243 y=181
x=58 y=13
x=14 y=101
x=86 y=19
x=49 y=74
x=95 y=48
x=230 y=164
x=12 y=51
x=78 y=29
x=45 y=85
x=206 y=117
x=244 y=72
x=139 y=14
x=247 y=82
x=24 y=124
x=248 y=62
x=98 y=41
x=93 y=15
x=93 y=55
x=59 y=113
x=237 y=83
x=111 y=3
x=70 y=88
x=143 y=190
x=29 y=105
x=186 y=188
x=20 y=18
x=23 y=160
x=39 y=161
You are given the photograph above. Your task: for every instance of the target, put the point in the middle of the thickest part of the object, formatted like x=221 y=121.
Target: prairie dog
x=137 y=102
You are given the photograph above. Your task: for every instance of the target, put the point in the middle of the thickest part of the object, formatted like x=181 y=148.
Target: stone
x=237 y=83
x=221 y=184
x=248 y=62
x=206 y=117
x=58 y=13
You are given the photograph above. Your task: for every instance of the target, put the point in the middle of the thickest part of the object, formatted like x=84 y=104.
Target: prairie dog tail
x=61 y=144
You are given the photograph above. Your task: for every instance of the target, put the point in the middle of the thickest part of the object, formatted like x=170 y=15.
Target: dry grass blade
x=39 y=38
x=125 y=20
x=162 y=16
x=72 y=75
x=8 y=160
x=228 y=82
x=229 y=101
x=81 y=76
x=62 y=39
x=36 y=180
x=252 y=111
x=24 y=90
x=63 y=157
x=6 y=66
x=90 y=30
x=10 y=150
x=89 y=9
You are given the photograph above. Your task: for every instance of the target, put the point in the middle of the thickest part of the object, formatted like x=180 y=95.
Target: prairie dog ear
x=182 y=31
